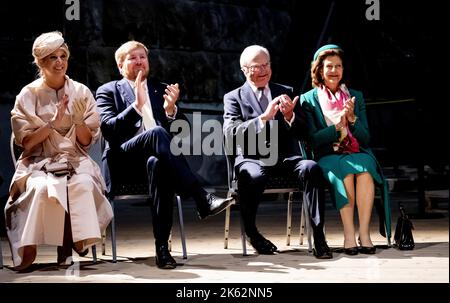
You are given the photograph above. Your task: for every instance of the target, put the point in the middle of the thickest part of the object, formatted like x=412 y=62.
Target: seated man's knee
x=157 y=131
x=312 y=170
x=157 y=136
x=252 y=178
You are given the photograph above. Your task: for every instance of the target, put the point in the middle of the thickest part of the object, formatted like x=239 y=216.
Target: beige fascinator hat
x=47 y=43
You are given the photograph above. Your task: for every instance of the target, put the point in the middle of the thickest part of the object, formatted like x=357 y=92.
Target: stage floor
x=209 y=262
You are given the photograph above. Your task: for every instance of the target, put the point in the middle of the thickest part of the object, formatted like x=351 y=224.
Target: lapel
x=126 y=91
x=318 y=109
x=127 y=94
x=276 y=90
x=248 y=96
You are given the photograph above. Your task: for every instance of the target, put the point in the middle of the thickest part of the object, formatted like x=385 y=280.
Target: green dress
x=337 y=166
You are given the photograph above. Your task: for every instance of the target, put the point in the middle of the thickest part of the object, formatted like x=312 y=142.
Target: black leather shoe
x=212 y=205
x=321 y=250
x=80 y=253
x=164 y=259
x=83 y=253
x=351 y=251
x=368 y=250
x=262 y=245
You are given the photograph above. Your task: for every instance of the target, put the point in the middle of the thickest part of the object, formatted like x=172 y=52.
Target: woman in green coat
x=339 y=139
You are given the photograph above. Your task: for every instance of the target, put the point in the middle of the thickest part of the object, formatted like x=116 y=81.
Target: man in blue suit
x=136 y=113
x=249 y=112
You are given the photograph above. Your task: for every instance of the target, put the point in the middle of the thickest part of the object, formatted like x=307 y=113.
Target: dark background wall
x=198 y=43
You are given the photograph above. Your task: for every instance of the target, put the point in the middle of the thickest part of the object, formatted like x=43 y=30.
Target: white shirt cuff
x=174 y=114
x=292 y=120
x=261 y=123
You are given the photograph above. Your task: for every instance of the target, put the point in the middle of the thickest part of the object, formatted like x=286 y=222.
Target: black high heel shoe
x=351 y=251
x=83 y=253
x=80 y=253
x=368 y=250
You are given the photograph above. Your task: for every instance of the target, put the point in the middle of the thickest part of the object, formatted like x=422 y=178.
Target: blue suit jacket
x=241 y=111
x=119 y=119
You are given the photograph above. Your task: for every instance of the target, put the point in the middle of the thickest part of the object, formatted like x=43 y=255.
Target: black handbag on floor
x=403 y=237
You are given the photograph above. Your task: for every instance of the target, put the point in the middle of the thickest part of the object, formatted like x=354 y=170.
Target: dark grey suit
x=241 y=112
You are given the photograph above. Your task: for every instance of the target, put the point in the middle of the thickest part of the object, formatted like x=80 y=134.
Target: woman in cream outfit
x=54 y=119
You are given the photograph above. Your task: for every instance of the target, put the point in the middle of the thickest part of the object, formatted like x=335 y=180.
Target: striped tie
x=263 y=101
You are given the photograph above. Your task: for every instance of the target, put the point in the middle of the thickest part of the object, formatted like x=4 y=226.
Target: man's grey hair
x=251 y=52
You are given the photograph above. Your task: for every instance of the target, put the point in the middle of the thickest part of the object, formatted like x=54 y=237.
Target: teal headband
x=323 y=48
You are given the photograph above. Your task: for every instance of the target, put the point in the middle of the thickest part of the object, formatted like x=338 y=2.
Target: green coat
x=321 y=138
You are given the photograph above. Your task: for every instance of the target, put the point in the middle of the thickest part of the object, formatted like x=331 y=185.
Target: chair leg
x=289 y=218
x=244 y=244
x=169 y=241
x=94 y=253
x=181 y=222
x=227 y=231
x=302 y=224
x=104 y=243
x=388 y=238
x=113 y=234
x=307 y=225
x=227 y=227
x=309 y=232
x=1 y=255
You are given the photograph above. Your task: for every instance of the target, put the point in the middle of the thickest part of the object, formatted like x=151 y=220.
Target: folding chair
x=16 y=151
x=276 y=184
x=125 y=191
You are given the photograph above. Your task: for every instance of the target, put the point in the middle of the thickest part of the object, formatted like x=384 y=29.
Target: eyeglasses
x=258 y=67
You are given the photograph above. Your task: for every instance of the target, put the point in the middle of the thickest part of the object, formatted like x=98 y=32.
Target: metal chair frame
x=142 y=195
